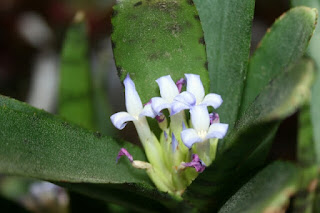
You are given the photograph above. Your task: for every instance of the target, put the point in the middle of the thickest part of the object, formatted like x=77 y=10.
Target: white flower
x=194 y=95
x=168 y=91
x=134 y=106
x=202 y=130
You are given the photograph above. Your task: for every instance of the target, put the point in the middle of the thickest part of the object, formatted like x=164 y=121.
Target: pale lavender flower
x=194 y=95
x=202 y=130
x=168 y=91
x=135 y=110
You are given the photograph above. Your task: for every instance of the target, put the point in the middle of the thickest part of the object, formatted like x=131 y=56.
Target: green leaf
x=282 y=46
x=306 y=148
x=157 y=38
x=37 y=144
x=303 y=201
x=75 y=102
x=287 y=92
x=269 y=191
x=313 y=51
x=101 y=103
x=227 y=31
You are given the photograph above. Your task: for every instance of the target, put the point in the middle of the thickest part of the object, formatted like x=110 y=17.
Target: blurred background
x=31 y=40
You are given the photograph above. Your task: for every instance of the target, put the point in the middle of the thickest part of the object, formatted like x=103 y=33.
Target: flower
x=135 y=109
x=202 y=130
x=167 y=154
x=168 y=91
x=194 y=95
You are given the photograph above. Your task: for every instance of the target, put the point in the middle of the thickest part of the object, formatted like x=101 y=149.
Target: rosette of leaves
x=153 y=38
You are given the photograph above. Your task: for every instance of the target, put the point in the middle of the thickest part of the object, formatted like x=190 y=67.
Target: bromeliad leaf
x=313 y=52
x=287 y=92
x=227 y=31
x=75 y=102
x=269 y=191
x=158 y=38
x=282 y=46
x=39 y=145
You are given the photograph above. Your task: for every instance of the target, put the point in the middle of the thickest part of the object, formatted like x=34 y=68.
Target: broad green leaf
x=282 y=46
x=269 y=191
x=36 y=144
x=313 y=51
x=157 y=38
x=227 y=32
x=287 y=92
x=75 y=98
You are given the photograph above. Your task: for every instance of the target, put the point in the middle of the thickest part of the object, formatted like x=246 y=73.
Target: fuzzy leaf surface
x=157 y=38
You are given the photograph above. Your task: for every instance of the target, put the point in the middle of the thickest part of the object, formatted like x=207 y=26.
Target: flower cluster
x=182 y=144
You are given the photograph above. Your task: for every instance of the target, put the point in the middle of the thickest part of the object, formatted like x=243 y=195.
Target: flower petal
x=133 y=101
x=217 y=130
x=194 y=85
x=189 y=137
x=124 y=152
x=148 y=111
x=158 y=104
x=174 y=143
x=186 y=98
x=168 y=89
x=200 y=118
x=177 y=107
x=213 y=100
x=120 y=119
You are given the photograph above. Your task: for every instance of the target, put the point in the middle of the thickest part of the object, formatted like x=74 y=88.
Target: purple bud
x=174 y=143
x=160 y=118
x=165 y=135
x=214 y=118
x=180 y=84
x=124 y=152
x=196 y=163
x=183 y=126
x=150 y=102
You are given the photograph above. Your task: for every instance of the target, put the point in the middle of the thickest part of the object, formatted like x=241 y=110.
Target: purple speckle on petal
x=180 y=84
x=196 y=163
x=124 y=152
x=214 y=118
x=160 y=118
